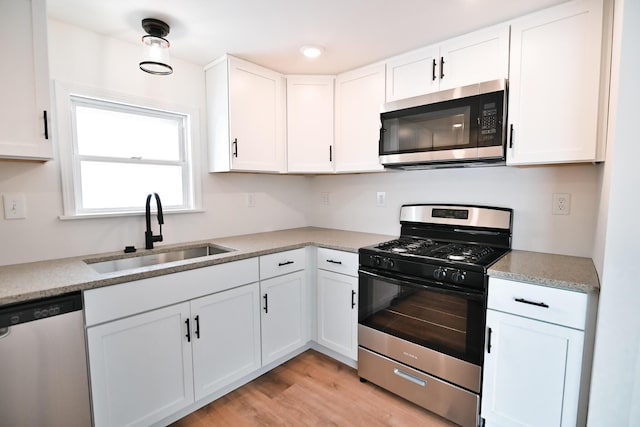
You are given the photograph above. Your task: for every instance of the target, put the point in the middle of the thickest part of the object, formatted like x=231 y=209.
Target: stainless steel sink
x=129 y=263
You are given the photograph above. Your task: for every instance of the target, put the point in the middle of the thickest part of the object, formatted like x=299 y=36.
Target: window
x=116 y=153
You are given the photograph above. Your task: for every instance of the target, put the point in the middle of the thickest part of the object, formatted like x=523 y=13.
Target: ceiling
x=270 y=32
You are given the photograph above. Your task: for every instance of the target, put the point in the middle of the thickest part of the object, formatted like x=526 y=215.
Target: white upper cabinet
x=24 y=112
x=246 y=117
x=476 y=57
x=359 y=94
x=310 y=123
x=554 y=85
x=414 y=73
x=471 y=58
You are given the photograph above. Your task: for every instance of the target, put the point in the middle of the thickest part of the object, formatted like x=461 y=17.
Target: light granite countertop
x=557 y=271
x=23 y=282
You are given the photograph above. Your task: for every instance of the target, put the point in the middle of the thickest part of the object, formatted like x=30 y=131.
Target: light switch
x=14 y=206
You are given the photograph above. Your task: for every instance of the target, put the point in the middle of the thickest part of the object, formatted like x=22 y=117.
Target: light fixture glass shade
x=311 y=51
x=156 y=55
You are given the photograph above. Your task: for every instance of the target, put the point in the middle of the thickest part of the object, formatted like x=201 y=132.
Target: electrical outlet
x=14 y=206
x=251 y=200
x=325 y=198
x=381 y=199
x=561 y=204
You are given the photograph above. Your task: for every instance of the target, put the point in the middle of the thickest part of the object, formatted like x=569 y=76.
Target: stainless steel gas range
x=422 y=306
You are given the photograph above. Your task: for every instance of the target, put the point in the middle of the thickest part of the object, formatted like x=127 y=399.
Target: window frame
x=67 y=97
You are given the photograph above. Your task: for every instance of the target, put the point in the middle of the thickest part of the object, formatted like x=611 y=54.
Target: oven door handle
x=477 y=232
x=401 y=280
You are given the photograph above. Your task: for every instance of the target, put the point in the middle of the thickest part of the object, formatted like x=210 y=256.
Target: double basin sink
x=178 y=254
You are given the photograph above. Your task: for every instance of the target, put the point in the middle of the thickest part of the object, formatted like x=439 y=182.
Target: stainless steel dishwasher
x=43 y=365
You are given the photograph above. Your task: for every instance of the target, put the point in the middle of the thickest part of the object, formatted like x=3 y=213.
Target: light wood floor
x=311 y=390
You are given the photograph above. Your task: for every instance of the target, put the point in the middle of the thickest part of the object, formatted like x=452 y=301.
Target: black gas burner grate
x=460 y=252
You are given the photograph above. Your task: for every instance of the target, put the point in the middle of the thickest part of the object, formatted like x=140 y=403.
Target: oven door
x=425 y=313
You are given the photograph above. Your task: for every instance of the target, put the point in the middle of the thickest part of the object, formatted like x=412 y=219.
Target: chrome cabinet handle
x=409 y=377
x=433 y=70
x=442 y=67
x=353 y=298
x=266 y=303
x=188 y=335
x=235 y=147
x=197 y=331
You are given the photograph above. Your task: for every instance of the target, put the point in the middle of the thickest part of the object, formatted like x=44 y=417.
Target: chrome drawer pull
x=282 y=264
x=408 y=377
x=334 y=262
x=537 y=304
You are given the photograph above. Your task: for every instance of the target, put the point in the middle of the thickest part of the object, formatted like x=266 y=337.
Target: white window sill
x=124 y=214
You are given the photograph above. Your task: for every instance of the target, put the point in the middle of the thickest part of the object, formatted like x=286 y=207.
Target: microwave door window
x=451 y=131
x=427 y=131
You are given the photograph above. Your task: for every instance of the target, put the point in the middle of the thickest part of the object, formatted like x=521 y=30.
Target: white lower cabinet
x=337 y=301
x=149 y=366
x=283 y=312
x=337 y=313
x=533 y=358
x=226 y=341
x=140 y=367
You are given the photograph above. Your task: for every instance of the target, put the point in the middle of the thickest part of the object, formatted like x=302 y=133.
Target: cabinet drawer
x=338 y=261
x=552 y=305
x=282 y=263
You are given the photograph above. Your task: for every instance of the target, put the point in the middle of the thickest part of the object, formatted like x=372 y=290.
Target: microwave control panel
x=490 y=121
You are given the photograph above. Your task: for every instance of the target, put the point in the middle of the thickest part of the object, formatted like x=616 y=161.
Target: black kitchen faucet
x=149 y=238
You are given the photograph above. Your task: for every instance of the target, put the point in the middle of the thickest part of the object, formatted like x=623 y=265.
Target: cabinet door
x=414 y=73
x=476 y=57
x=359 y=94
x=310 y=123
x=256 y=117
x=25 y=81
x=531 y=372
x=226 y=338
x=140 y=367
x=337 y=313
x=554 y=84
x=283 y=311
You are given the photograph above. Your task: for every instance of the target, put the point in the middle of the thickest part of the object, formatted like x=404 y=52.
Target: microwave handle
x=511 y=135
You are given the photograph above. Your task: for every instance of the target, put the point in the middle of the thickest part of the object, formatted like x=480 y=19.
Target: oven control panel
x=447 y=274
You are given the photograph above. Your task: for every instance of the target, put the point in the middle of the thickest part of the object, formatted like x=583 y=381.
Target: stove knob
x=391 y=263
x=458 y=277
x=377 y=261
x=440 y=273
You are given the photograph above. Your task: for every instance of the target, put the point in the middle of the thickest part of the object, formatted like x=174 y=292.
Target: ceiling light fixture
x=311 y=51
x=156 y=48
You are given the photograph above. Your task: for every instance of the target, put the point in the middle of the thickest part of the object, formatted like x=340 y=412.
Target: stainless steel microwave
x=457 y=127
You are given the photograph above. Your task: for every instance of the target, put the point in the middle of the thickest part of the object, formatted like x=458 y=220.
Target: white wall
x=84 y=58
x=615 y=386
x=528 y=191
